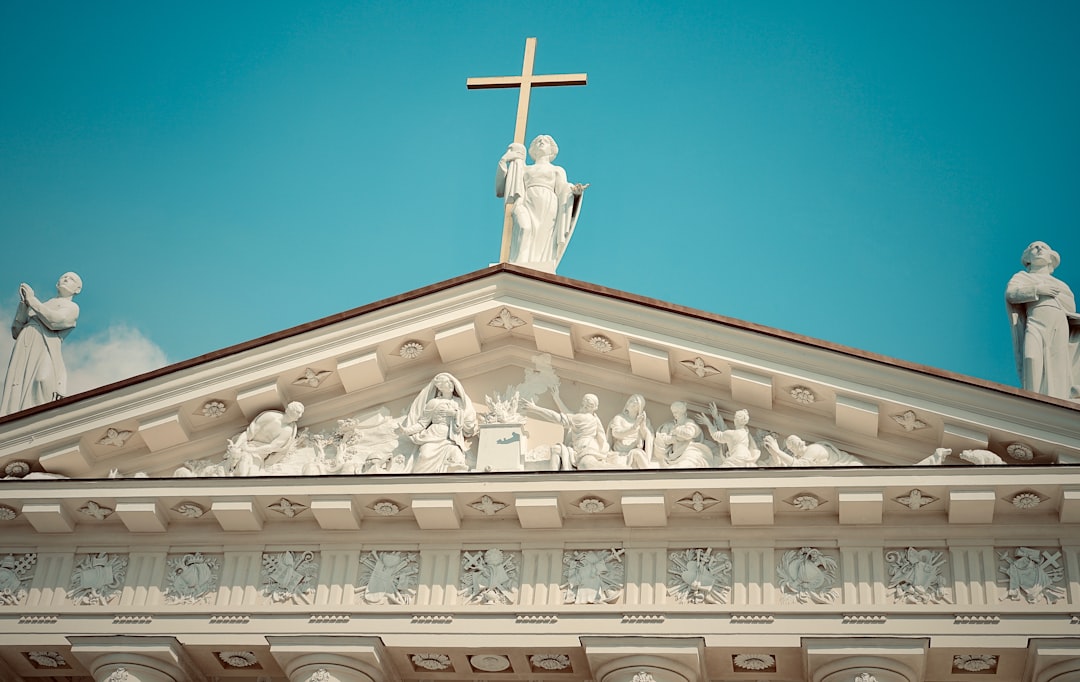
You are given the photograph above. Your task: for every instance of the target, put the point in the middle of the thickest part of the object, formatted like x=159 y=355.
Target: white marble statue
x=587 y=446
x=741 y=450
x=803 y=454
x=630 y=434
x=544 y=205
x=36 y=372
x=1045 y=325
x=981 y=457
x=679 y=443
x=440 y=418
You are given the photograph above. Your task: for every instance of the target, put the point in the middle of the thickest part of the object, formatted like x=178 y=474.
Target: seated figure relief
x=803 y=454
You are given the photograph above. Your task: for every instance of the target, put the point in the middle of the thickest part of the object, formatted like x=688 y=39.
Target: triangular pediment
x=511 y=328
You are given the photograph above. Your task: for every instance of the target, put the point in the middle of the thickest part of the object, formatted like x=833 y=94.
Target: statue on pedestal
x=544 y=205
x=36 y=373
x=1045 y=326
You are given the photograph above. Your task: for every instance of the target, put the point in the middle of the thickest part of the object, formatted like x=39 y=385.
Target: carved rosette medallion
x=754 y=662
x=191 y=578
x=917 y=576
x=975 y=663
x=46 y=659
x=549 y=662
x=7 y=513
x=1032 y=575
x=388 y=577
x=289 y=576
x=489 y=663
x=238 y=659
x=96 y=511
x=807 y=576
x=430 y=662
x=594 y=576
x=16 y=570
x=699 y=576
x=97 y=579
x=489 y=577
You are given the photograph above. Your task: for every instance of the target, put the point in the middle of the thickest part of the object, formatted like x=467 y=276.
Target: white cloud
x=117 y=353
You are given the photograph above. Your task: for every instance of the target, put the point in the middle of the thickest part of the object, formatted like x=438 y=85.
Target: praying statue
x=543 y=204
x=1045 y=326
x=36 y=373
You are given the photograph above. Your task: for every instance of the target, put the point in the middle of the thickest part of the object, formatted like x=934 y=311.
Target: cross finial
x=525 y=83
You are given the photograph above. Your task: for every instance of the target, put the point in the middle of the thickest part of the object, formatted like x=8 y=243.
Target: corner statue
x=543 y=204
x=1045 y=326
x=36 y=372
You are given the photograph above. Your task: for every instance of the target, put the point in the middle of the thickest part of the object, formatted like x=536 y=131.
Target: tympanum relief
x=437 y=433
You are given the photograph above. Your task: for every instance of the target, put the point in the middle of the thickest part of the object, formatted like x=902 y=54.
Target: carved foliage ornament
x=489 y=577
x=600 y=343
x=488 y=506
x=17 y=469
x=388 y=577
x=699 y=576
x=115 y=438
x=1027 y=500
x=191 y=577
x=311 y=378
x=808 y=576
x=865 y=677
x=909 y=421
x=803 y=395
x=212 y=409
x=7 y=513
x=1032 y=575
x=506 y=320
x=917 y=576
x=97 y=579
x=118 y=675
x=806 y=502
x=289 y=576
x=591 y=505
x=386 y=508
x=916 y=499
x=287 y=508
x=16 y=570
x=697 y=502
x=699 y=367
x=96 y=511
x=593 y=576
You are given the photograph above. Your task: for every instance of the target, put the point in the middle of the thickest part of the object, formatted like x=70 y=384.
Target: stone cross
x=525 y=83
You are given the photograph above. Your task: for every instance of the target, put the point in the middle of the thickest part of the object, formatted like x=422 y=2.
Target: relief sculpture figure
x=543 y=204
x=36 y=373
x=679 y=443
x=587 y=446
x=1045 y=326
x=269 y=437
x=631 y=435
x=440 y=418
x=742 y=451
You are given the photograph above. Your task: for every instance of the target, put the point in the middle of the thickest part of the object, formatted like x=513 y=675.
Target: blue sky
x=866 y=173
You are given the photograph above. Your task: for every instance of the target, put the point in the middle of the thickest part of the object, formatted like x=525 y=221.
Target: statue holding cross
x=541 y=206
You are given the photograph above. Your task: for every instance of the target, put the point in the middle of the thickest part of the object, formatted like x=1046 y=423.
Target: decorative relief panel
x=97 y=579
x=16 y=570
x=594 y=576
x=46 y=660
x=917 y=576
x=808 y=576
x=489 y=577
x=975 y=663
x=388 y=577
x=289 y=576
x=191 y=578
x=699 y=576
x=1032 y=575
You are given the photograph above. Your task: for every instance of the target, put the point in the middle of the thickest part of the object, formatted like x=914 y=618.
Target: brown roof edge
x=552 y=279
